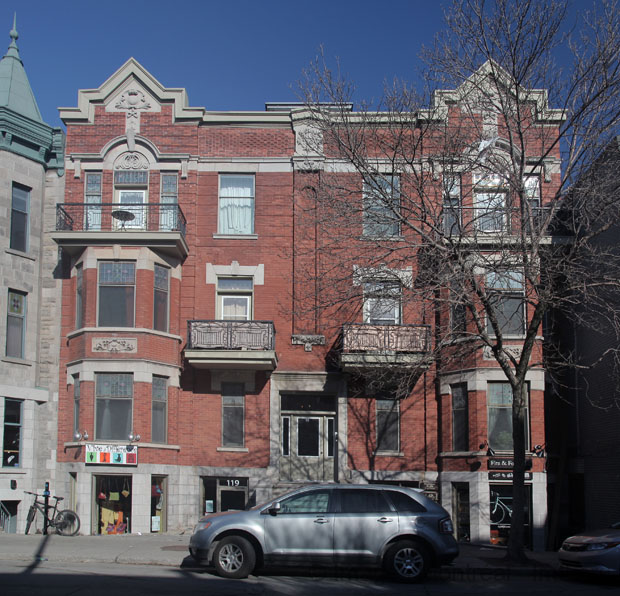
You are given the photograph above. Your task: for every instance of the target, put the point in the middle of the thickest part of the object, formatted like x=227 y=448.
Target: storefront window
x=113 y=496
x=500 y=506
x=158 y=504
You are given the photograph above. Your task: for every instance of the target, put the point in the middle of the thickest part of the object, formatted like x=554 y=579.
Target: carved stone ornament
x=514 y=351
x=308 y=341
x=132 y=100
x=131 y=161
x=115 y=345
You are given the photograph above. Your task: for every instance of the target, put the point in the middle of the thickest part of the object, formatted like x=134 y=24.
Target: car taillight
x=445 y=526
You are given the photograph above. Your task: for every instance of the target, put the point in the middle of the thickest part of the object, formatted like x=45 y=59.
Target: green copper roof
x=15 y=91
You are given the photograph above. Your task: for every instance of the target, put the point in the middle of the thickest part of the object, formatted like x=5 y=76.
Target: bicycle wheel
x=67 y=523
x=31 y=513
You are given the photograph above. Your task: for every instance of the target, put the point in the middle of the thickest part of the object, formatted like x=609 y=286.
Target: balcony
x=371 y=346
x=247 y=345
x=497 y=224
x=159 y=226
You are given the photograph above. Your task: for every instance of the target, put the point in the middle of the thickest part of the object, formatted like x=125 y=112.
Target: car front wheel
x=234 y=557
x=407 y=560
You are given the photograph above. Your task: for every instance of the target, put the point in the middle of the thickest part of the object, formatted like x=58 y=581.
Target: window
x=452 y=204
x=235 y=298
x=130 y=187
x=169 y=200
x=236 y=206
x=160 y=298
x=460 y=418
x=11 y=448
x=404 y=503
x=316 y=501
x=20 y=208
x=92 y=201
x=286 y=435
x=159 y=409
x=114 y=406
x=458 y=310
x=532 y=195
x=76 y=404
x=490 y=204
x=359 y=500
x=79 y=296
x=117 y=286
x=382 y=303
x=506 y=297
x=16 y=324
x=381 y=198
x=233 y=407
x=388 y=425
x=499 y=406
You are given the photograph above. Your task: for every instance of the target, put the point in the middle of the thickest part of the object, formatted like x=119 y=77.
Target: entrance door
x=132 y=202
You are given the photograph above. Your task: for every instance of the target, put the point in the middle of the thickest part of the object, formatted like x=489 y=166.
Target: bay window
x=114 y=406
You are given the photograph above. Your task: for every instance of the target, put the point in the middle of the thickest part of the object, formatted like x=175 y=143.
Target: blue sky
x=233 y=55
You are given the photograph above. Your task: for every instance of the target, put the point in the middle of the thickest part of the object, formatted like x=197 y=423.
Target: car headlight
x=201 y=525
x=445 y=526
x=601 y=545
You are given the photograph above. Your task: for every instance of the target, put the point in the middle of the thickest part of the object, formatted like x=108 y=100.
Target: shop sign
x=112 y=455
x=508 y=475
x=500 y=463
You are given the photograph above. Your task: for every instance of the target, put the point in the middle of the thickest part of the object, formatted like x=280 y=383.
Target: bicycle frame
x=40 y=505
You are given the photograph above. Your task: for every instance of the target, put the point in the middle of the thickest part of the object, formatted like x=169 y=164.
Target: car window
x=363 y=501
x=312 y=502
x=404 y=503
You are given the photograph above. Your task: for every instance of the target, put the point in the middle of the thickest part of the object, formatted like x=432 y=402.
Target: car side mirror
x=275 y=509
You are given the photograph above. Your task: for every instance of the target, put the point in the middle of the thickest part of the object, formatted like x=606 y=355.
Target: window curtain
x=236 y=205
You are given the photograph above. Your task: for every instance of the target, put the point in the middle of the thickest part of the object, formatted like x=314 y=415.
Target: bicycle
x=66 y=522
x=500 y=511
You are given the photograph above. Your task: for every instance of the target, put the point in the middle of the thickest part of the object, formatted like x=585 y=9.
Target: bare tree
x=462 y=209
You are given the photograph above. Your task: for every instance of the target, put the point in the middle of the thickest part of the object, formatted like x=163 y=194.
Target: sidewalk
x=171 y=550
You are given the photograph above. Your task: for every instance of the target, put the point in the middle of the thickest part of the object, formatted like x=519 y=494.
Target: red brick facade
x=164 y=136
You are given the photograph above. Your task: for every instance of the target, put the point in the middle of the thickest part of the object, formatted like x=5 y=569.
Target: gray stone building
x=31 y=183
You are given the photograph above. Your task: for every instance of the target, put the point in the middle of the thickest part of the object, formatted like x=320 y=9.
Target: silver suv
x=378 y=525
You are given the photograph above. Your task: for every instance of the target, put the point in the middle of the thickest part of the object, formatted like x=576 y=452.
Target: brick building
x=31 y=183
x=192 y=376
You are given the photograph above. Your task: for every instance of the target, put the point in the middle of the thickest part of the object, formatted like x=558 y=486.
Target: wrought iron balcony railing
x=230 y=335
x=120 y=217
x=495 y=219
x=386 y=338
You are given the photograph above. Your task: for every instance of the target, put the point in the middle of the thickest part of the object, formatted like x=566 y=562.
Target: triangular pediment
x=131 y=86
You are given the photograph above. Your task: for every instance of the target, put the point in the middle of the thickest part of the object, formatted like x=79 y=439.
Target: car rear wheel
x=234 y=557
x=407 y=560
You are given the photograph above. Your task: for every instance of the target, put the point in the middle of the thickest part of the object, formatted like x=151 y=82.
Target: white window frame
x=381 y=202
x=137 y=187
x=236 y=220
x=491 y=204
x=382 y=291
x=452 y=205
x=168 y=202
x=19 y=317
x=242 y=294
x=92 y=200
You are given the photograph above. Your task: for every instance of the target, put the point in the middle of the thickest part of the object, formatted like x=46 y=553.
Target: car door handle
x=385 y=520
x=321 y=520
